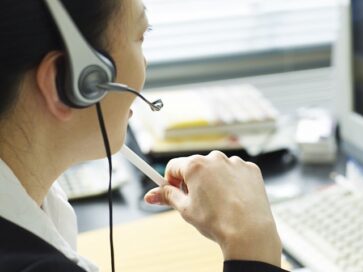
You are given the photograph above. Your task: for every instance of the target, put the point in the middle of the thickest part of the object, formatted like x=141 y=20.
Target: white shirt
x=55 y=222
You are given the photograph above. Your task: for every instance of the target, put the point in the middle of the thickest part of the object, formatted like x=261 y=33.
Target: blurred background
x=200 y=40
x=257 y=79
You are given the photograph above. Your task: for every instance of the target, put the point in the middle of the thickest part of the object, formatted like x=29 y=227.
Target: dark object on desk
x=277 y=162
x=163 y=158
x=277 y=159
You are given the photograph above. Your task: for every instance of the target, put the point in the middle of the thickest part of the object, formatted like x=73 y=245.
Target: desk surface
x=159 y=243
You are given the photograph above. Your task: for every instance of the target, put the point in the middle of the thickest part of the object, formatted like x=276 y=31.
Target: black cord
x=108 y=152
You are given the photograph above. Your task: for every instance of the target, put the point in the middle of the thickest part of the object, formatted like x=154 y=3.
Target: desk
x=93 y=213
x=284 y=173
x=281 y=90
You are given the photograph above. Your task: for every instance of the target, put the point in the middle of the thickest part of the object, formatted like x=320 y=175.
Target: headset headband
x=87 y=67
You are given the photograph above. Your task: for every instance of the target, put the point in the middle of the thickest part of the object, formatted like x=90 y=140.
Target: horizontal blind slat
x=207 y=28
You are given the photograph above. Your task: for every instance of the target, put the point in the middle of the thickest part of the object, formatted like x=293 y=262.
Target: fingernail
x=154 y=199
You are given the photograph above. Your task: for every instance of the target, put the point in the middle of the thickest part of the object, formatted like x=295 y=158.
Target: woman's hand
x=225 y=199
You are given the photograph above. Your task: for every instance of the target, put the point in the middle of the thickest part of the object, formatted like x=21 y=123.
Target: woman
x=40 y=137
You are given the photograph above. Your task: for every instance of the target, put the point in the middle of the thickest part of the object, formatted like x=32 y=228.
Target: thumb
x=167 y=195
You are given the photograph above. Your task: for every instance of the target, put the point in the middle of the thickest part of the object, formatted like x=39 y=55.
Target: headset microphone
x=155 y=106
x=88 y=74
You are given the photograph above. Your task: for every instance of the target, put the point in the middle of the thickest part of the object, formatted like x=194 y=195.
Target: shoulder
x=42 y=264
x=37 y=263
x=22 y=251
x=54 y=264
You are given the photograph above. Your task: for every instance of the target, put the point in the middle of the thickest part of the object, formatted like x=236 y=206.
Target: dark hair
x=28 y=33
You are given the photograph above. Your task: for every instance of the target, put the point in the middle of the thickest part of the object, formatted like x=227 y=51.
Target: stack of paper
x=202 y=118
x=315 y=137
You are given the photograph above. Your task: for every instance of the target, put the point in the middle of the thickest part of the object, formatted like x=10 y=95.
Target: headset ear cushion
x=61 y=78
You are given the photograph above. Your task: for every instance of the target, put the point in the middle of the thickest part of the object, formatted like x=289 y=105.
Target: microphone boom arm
x=155 y=106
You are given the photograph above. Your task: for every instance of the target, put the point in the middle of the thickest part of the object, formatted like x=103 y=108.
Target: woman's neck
x=34 y=161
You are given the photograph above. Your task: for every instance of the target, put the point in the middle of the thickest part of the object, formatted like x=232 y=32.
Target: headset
x=83 y=80
x=88 y=74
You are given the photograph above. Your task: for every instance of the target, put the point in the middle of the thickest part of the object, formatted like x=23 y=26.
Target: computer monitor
x=349 y=68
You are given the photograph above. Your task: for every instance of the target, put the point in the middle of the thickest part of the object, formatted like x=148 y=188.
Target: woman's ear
x=46 y=76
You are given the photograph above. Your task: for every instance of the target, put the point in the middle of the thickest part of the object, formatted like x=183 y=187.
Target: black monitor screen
x=357 y=19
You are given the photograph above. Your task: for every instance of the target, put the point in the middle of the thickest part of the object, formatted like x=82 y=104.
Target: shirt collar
x=55 y=222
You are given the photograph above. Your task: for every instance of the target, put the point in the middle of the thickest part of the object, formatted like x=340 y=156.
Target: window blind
x=193 y=31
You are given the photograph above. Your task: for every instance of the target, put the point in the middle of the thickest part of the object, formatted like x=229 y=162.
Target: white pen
x=133 y=158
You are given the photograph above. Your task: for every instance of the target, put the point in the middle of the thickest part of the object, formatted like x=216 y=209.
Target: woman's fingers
x=178 y=170
x=174 y=171
x=154 y=197
x=168 y=195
